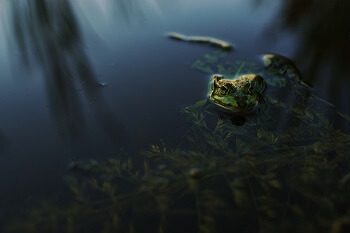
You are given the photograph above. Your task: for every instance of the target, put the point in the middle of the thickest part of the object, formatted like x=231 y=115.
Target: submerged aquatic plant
x=286 y=169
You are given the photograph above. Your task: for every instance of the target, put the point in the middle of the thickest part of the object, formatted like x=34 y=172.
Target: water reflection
x=3 y=141
x=47 y=33
x=323 y=49
x=127 y=9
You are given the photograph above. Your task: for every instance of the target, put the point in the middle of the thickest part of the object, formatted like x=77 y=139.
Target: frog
x=281 y=65
x=239 y=96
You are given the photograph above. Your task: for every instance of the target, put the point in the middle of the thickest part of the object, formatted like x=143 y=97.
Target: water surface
x=86 y=79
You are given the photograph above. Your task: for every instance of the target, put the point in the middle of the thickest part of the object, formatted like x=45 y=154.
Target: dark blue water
x=86 y=79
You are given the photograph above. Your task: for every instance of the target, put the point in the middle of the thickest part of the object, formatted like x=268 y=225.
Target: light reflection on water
x=55 y=55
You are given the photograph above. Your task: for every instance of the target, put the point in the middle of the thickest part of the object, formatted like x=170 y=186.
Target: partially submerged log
x=201 y=39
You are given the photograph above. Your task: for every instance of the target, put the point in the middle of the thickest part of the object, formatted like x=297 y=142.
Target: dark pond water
x=86 y=79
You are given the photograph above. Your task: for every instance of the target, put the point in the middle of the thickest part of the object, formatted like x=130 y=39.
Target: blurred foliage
x=286 y=169
x=324 y=61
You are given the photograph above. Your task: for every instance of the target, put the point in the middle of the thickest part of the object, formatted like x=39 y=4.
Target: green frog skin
x=240 y=96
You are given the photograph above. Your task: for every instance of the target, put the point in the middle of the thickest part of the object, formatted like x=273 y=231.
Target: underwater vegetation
x=286 y=169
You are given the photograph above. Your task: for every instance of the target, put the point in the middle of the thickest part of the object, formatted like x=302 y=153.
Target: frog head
x=240 y=95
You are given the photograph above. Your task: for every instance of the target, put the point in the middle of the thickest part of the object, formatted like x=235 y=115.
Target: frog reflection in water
x=237 y=97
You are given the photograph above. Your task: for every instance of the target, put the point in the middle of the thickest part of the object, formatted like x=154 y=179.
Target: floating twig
x=201 y=39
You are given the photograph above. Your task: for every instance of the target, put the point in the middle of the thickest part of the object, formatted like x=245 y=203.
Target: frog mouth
x=231 y=108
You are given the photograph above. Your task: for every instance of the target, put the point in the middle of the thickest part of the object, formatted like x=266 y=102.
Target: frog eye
x=217 y=77
x=223 y=90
